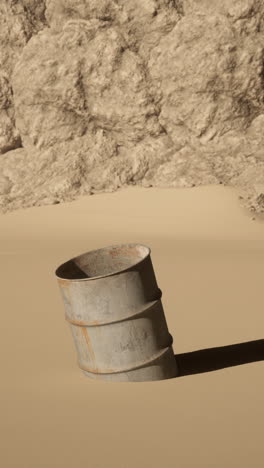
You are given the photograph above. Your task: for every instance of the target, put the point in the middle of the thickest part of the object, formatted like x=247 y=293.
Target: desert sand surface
x=208 y=256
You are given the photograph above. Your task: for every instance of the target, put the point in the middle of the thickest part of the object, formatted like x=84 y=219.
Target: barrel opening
x=103 y=262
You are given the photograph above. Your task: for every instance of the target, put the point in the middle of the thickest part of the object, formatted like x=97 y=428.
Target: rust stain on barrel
x=104 y=349
x=89 y=346
x=123 y=370
x=64 y=282
x=80 y=323
x=96 y=371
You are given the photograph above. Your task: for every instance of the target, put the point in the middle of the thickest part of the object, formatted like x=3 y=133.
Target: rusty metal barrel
x=113 y=306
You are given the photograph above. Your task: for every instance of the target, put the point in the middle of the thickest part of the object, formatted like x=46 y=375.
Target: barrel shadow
x=212 y=359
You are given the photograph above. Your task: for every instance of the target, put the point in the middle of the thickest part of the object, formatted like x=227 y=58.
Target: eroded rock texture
x=99 y=94
x=19 y=20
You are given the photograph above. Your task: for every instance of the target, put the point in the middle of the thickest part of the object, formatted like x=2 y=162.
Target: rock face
x=99 y=94
x=19 y=20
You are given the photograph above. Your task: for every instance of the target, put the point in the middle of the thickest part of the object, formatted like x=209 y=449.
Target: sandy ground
x=208 y=257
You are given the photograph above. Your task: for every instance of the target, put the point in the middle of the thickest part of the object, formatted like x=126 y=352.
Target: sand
x=208 y=257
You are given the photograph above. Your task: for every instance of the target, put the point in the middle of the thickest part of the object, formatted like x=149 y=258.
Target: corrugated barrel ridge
x=114 y=309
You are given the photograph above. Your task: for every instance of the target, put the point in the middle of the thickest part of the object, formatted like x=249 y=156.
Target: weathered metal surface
x=113 y=306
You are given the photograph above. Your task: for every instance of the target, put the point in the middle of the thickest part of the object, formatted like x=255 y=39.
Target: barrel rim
x=113 y=273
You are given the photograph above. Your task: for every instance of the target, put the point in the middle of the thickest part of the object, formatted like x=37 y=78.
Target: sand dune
x=208 y=256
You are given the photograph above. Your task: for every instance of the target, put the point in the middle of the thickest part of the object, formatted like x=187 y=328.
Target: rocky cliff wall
x=100 y=94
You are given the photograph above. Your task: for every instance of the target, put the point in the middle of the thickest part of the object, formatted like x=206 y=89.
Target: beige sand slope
x=208 y=257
